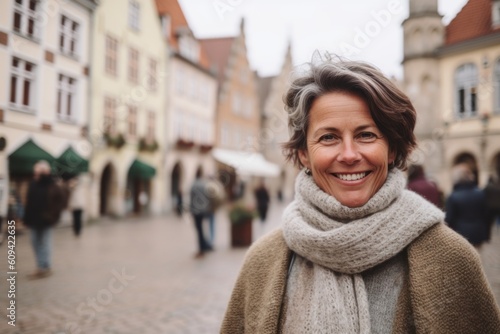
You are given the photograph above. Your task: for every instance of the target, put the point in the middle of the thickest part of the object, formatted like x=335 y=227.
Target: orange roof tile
x=474 y=20
x=178 y=20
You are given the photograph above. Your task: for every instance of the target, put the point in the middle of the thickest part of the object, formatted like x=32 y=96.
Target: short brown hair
x=390 y=108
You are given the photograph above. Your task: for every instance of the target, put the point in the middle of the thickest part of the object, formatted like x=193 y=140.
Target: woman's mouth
x=351 y=176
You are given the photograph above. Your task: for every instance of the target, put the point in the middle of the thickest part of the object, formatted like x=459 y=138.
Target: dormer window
x=495 y=13
x=189 y=48
x=166 y=26
x=134 y=11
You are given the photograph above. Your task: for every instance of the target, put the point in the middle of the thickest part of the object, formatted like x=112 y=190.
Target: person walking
x=418 y=182
x=466 y=208
x=44 y=204
x=76 y=204
x=262 y=198
x=200 y=208
x=356 y=252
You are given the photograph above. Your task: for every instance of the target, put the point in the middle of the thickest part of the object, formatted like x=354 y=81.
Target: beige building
x=275 y=127
x=239 y=141
x=44 y=49
x=452 y=74
x=190 y=112
x=128 y=78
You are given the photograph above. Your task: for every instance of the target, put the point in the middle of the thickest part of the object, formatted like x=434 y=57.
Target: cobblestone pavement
x=139 y=276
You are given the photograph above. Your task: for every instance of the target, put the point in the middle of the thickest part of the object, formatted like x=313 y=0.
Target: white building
x=192 y=101
x=44 y=46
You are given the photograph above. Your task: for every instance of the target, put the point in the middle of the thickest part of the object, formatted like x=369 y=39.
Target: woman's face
x=346 y=152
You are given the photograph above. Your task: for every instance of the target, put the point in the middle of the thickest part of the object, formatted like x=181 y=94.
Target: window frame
x=133 y=65
x=466 y=82
x=29 y=15
x=67 y=90
x=134 y=15
x=111 y=55
x=18 y=88
x=73 y=35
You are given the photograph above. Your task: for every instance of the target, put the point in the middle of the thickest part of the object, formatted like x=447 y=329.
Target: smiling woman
x=357 y=252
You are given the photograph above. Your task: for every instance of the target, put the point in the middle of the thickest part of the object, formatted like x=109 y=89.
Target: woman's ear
x=304 y=158
x=392 y=157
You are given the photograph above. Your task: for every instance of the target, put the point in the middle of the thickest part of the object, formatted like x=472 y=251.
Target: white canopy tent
x=246 y=163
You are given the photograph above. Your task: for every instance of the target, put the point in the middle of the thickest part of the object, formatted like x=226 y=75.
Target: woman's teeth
x=351 y=177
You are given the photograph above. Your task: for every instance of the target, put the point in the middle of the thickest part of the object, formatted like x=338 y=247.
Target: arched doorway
x=470 y=160
x=105 y=190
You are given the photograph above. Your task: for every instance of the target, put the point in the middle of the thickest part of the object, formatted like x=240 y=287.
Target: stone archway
x=108 y=175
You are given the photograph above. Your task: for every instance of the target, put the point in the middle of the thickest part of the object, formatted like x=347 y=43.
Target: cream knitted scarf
x=339 y=243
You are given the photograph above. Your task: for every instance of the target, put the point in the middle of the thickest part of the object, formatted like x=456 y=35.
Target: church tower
x=424 y=33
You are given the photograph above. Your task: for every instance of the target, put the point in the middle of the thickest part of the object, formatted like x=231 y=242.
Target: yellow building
x=128 y=77
x=452 y=74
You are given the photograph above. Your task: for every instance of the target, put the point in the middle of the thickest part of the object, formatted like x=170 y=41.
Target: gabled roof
x=218 y=51
x=473 y=21
x=178 y=23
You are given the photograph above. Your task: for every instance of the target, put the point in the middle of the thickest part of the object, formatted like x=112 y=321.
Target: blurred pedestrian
x=76 y=204
x=216 y=196
x=492 y=191
x=262 y=198
x=418 y=182
x=200 y=208
x=466 y=209
x=44 y=204
x=179 y=203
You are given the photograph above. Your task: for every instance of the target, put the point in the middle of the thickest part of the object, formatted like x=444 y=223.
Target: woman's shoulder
x=268 y=251
x=441 y=246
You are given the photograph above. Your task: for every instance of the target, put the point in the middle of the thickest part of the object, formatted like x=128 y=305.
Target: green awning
x=71 y=163
x=21 y=161
x=141 y=170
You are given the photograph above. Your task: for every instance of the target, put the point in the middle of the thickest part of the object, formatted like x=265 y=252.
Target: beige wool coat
x=446 y=291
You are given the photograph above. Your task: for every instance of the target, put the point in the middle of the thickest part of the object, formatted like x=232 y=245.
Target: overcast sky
x=369 y=30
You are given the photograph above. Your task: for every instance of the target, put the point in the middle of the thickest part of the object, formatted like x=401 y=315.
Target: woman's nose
x=348 y=152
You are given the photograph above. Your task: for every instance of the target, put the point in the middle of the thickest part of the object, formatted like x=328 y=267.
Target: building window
x=109 y=125
x=132 y=121
x=496 y=85
x=180 y=81
x=66 y=93
x=25 y=13
x=22 y=84
x=466 y=79
x=111 y=56
x=150 y=134
x=134 y=11
x=236 y=103
x=189 y=48
x=152 y=75
x=69 y=36
x=133 y=66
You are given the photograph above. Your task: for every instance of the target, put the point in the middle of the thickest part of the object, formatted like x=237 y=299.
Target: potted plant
x=241 y=217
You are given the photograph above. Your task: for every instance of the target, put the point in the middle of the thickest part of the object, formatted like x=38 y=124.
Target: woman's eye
x=327 y=137
x=367 y=136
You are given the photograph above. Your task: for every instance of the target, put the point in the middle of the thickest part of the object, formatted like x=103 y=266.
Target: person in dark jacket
x=44 y=204
x=262 y=198
x=466 y=210
x=201 y=207
x=417 y=182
